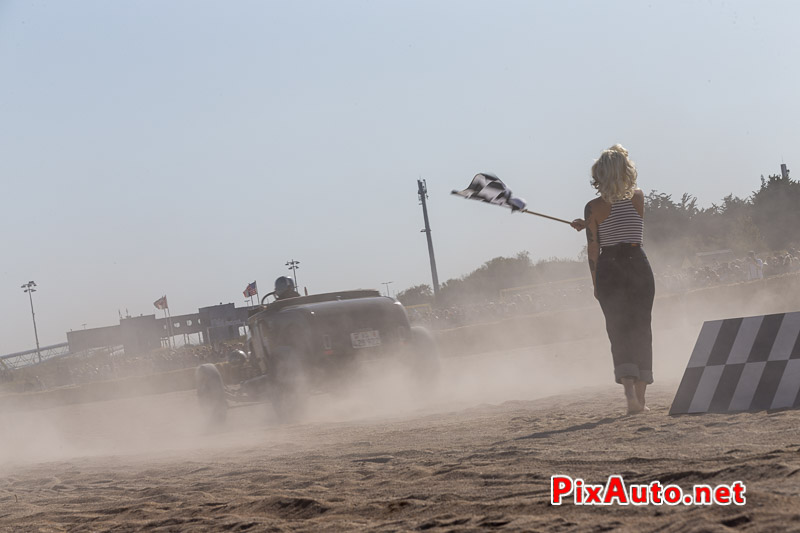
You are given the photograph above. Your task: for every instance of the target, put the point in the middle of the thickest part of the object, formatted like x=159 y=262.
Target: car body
x=308 y=344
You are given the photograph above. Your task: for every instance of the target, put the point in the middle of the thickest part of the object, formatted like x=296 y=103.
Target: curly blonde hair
x=614 y=174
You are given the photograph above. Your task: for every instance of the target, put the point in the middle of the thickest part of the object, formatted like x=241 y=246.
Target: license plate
x=366 y=339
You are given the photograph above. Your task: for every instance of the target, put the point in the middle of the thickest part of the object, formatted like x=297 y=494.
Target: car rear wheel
x=211 y=393
x=288 y=389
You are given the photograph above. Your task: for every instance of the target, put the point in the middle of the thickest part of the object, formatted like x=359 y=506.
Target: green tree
x=733 y=220
x=416 y=295
x=667 y=227
x=486 y=282
x=776 y=211
x=676 y=230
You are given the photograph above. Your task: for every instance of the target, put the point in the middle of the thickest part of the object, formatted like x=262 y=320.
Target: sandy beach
x=476 y=455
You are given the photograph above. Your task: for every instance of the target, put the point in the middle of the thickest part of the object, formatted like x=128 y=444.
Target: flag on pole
x=161 y=303
x=251 y=290
x=488 y=188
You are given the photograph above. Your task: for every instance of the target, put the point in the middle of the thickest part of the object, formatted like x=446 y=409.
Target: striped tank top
x=623 y=224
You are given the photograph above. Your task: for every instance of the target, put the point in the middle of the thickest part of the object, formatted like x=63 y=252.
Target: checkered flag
x=488 y=188
x=743 y=364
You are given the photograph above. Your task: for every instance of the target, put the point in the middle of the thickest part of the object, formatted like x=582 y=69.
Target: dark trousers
x=625 y=289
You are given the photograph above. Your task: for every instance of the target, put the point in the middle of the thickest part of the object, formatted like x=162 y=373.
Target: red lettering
x=723 y=495
x=593 y=494
x=615 y=489
x=639 y=494
x=738 y=492
x=559 y=486
x=672 y=494
x=655 y=493
x=702 y=495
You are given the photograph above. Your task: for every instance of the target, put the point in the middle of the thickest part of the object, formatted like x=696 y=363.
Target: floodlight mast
x=293 y=266
x=387 y=283
x=422 y=192
x=29 y=288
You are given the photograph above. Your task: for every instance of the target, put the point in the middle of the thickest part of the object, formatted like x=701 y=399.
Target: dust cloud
x=474 y=451
x=572 y=358
x=167 y=424
x=159 y=425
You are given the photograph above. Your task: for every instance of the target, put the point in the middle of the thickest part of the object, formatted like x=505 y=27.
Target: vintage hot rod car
x=300 y=346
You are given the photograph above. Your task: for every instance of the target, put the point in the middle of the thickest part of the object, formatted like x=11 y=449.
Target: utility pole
x=293 y=266
x=29 y=288
x=423 y=196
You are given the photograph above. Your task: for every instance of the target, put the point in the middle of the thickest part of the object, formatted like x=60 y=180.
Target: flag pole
x=169 y=325
x=457 y=193
x=166 y=321
x=546 y=216
x=169 y=322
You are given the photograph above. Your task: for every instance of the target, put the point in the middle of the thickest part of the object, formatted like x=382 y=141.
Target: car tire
x=211 y=393
x=288 y=390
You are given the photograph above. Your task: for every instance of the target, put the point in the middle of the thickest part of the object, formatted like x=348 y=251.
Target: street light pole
x=29 y=288
x=387 y=286
x=293 y=266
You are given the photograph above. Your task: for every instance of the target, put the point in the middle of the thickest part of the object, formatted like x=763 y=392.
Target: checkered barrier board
x=743 y=364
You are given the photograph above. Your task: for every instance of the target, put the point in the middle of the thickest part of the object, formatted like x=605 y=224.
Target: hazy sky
x=188 y=148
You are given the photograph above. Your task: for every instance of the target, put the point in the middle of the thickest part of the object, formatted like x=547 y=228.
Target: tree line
x=766 y=221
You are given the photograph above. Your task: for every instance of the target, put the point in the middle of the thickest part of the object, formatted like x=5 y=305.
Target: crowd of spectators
x=749 y=268
x=543 y=298
x=105 y=366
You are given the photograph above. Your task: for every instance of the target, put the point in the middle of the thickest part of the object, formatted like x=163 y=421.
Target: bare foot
x=641 y=387
x=634 y=405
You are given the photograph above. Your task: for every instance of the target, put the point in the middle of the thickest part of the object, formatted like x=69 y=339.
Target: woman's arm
x=592 y=243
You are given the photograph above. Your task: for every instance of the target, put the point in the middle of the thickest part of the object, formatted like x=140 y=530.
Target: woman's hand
x=579 y=224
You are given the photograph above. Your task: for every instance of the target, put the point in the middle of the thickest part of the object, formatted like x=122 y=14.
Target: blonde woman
x=622 y=278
